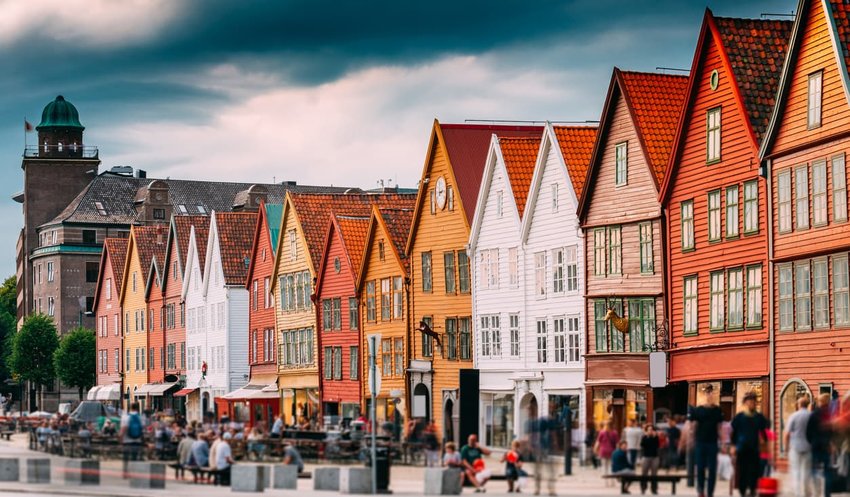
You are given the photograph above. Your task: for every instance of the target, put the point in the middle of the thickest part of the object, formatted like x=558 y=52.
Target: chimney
x=159 y=234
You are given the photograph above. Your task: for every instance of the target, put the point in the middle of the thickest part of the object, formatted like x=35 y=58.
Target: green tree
x=32 y=350
x=8 y=310
x=75 y=359
x=9 y=296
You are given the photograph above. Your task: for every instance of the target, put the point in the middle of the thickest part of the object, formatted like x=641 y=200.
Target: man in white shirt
x=799 y=449
x=223 y=461
x=633 y=434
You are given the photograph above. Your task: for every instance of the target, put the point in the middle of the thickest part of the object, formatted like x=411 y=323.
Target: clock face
x=441 y=192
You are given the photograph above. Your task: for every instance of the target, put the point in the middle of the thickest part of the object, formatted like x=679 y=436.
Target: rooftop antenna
x=676 y=69
x=770 y=14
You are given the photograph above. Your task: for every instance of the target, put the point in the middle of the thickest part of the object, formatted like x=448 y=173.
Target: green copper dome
x=60 y=113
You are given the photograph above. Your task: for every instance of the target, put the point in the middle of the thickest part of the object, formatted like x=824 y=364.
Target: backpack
x=134 y=426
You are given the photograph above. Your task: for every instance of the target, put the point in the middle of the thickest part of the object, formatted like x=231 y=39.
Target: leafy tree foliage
x=75 y=359
x=8 y=310
x=33 y=347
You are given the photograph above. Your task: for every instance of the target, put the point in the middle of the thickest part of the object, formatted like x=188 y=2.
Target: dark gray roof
x=117 y=193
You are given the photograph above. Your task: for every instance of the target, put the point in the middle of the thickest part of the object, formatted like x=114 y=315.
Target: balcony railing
x=53 y=151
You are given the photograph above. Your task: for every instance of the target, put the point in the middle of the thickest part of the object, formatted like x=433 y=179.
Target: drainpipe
x=771 y=360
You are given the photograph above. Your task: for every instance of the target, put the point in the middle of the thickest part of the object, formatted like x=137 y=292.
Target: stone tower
x=56 y=170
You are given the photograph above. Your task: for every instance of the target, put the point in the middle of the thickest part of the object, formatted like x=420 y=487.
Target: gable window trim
x=814 y=100
x=713 y=139
x=621 y=168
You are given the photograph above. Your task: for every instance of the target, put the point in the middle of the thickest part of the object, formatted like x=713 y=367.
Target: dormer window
x=201 y=209
x=100 y=209
x=182 y=209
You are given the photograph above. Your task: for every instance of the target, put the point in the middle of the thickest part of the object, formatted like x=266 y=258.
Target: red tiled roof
x=655 y=100
x=314 y=212
x=756 y=50
x=520 y=156
x=353 y=231
x=398 y=223
x=841 y=16
x=117 y=250
x=183 y=228
x=150 y=244
x=467 y=146
x=576 y=143
x=202 y=236
x=235 y=240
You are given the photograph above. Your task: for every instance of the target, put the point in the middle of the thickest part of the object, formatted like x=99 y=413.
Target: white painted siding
x=237 y=335
x=196 y=337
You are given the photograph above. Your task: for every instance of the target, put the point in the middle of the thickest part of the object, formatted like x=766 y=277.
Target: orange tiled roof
x=117 y=250
x=655 y=101
x=520 y=156
x=314 y=212
x=841 y=15
x=756 y=50
x=150 y=244
x=353 y=231
x=576 y=144
x=202 y=236
x=398 y=223
x=183 y=228
x=235 y=239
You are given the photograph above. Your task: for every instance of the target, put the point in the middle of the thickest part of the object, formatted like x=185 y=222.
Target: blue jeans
x=633 y=455
x=822 y=459
x=706 y=460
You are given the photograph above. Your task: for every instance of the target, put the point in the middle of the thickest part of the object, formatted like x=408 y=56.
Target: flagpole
x=25 y=135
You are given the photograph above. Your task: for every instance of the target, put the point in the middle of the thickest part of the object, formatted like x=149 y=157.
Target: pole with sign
x=374 y=388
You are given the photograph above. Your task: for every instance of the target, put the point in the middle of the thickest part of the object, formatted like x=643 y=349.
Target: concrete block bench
x=10 y=469
x=442 y=481
x=247 y=478
x=147 y=475
x=326 y=479
x=355 y=480
x=82 y=472
x=284 y=476
x=38 y=470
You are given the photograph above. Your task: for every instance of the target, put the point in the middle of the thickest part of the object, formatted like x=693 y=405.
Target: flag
x=27 y=126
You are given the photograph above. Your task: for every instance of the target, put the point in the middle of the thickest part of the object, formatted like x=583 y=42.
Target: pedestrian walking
x=650 y=445
x=590 y=443
x=707 y=419
x=541 y=433
x=606 y=443
x=748 y=436
x=799 y=449
x=633 y=434
x=132 y=437
x=819 y=434
x=674 y=434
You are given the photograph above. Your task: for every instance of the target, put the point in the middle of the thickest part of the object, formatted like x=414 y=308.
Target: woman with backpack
x=132 y=436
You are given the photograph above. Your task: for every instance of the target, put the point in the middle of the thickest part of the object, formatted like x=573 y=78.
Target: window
x=293 y=245
x=426 y=272
x=381 y=252
x=558 y=270
x=327 y=318
x=127 y=361
x=687 y=208
x=554 y=197
x=540 y=274
x=615 y=254
x=840 y=294
x=451 y=338
x=386 y=299
x=600 y=326
x=599 y=251
x=621 y=172
x=450 y=198
x=754 y=296
x=714 y=216
x=815 y=95
x=433 y=203
x=51 y=306
x=820 y=279
x=465 y=325
x=784 y=200
x=182 y=209
x=337 y=357
x=496 y=335
x=573 y=340
x=371 y=314
x=560 y=338
x=427 y=341
x=101 y=210
x=492 y=262
x=398 y=350
x=92 y=269
x=801 y=196
x=751 y=207
x=183 y=355
x=255 y=294
x=647 y=259
x=353 y=314
x=732 y=211
x=571 y=260
x=328 y=369
x=717 y=304
x=463 y=271
x=152 y=357
x=641 y=325
x=839 y=189
x=819 y=193
x=201 y=209
x=157 y=214
x=353 y=363
x=89 y=237
x=398 y=298
x=735 y=280
x=51 y=275
x=500 y=200
x=267 y=290
x=117 y=358
x=542 y=341
x=513 y=322
x=336 y=309
x=802 y=295
x=449 y=269
x=712 y=141
x=485 y=331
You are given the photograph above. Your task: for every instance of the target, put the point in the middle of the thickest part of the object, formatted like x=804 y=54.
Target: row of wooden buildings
x=696 y=236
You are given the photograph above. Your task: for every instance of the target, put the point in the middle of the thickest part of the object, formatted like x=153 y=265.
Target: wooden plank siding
x=260 y=316
x=172 y=292
x=156 y=325
x=135 y=338
x=109 y=317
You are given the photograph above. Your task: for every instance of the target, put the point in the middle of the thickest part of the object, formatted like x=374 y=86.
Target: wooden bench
x=7 y=434
x=627 y=478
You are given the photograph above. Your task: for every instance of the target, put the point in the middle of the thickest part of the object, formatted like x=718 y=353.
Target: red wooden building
x=156 y=328
x=337 y=317
x=716 y=204
x=108 y=319
x=805 y=153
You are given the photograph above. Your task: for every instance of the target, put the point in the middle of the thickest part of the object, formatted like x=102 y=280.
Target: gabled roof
x=146 y=242
x=753 y=52
x=273 y=213
x=655 y=102
x=576 y=144
x=115 y=252
x=396 y=224
x=180 y=229
x=268 y=221
x=312 y=212
x=520 y=155
x=840 y=11
x=234 y=231
x=352 y=231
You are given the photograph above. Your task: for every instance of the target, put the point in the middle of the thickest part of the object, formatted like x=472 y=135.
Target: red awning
x=184 y=392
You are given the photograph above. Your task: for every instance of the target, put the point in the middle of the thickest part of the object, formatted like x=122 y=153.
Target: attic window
x=182 y=209
x=202 y=209
x=100 y=209
x=381 y=250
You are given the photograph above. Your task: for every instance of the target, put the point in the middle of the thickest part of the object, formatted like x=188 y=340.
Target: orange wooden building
x=805 y=153
x=623 y=222
x=716 y=210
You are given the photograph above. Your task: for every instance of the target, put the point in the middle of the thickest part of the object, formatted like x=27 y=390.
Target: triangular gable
x=115 y=254
x=192 y=255
x=262 y=228
x=747 y=50
x=394 y=224
x=350 y=231
x=144 y=244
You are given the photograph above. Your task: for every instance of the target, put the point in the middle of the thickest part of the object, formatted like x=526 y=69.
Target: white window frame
x=571 y=263
x=801 y=197
x=820 y=293
x=615 y=249
x=713 y=135
x=814 y=100
x=558 y=271
x=784 y=201
x=735 y=298
x=513 y=266
x=819 y=190
x=555 y=199
x=513 y=325
x=802 y=295
x=542 y=340
x=733 y=199
x=840 y=293
x=621 y=160
x=559 y=336
x=717 y=303
x=755 y=289
x=714 y=216
x=687 y=219
x=839 y=189
x=540 y=275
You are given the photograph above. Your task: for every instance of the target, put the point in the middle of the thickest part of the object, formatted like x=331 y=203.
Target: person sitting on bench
x=620 y=464
x=184 y=455
x=292 y=456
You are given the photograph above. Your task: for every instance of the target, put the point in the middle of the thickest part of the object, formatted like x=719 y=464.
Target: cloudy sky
x=316 y=91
